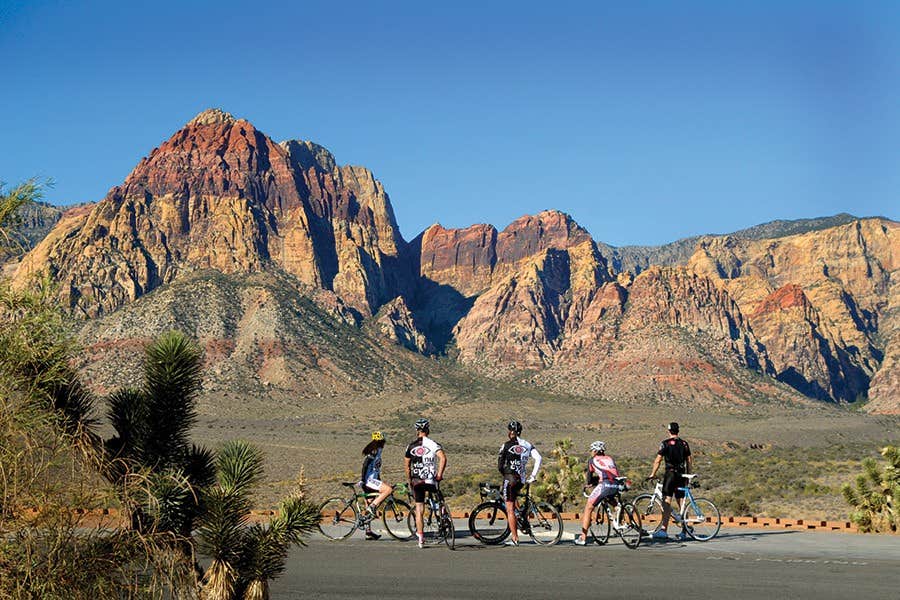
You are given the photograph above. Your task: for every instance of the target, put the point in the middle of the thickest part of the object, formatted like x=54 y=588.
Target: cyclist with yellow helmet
x=371 y=478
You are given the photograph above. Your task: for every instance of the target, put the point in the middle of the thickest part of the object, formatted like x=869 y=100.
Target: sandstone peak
x=212 y=116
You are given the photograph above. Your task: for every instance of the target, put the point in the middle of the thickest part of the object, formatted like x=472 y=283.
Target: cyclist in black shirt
x=677 y=454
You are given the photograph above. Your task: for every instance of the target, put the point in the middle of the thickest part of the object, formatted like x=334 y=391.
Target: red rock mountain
x=811 y=305
x=220 y=194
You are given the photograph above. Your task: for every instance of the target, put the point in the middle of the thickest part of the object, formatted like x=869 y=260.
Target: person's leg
x=420 y=523
x=511 y=517
x=384 y=491
x=586 y=517
x=666 y=512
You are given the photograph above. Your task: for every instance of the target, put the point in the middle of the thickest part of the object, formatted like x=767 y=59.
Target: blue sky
x=646 y=122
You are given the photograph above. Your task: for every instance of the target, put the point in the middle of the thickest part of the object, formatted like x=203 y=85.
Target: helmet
x=673 y=427
x=598 y=446
x=514 y=426
x=422 y=424
x=377 y=436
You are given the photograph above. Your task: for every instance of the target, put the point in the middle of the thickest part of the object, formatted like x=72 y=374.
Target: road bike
x=698 y=517
x=624 y=519
x=341 y=516
x=489 y=525
x=437 y=524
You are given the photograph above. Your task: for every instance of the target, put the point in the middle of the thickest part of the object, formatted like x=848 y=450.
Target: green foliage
x=50 y=457
x=561 y=481
x=876 y=498
x=11 y=203
x=50 y=461
x=246 y=558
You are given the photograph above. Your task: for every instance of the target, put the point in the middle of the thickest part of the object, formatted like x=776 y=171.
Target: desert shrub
x=561 y=478
x=876 y=497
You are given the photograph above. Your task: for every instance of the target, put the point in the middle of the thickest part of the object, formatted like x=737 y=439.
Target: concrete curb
x=113 y=515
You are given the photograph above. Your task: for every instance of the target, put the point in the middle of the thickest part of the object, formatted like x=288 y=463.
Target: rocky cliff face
x=220 y=194
x=812 y=305
x=819 y=301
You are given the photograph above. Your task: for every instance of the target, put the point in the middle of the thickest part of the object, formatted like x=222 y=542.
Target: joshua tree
x=876 y=499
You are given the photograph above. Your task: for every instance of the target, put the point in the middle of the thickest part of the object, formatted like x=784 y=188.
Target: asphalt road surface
x=738 y=564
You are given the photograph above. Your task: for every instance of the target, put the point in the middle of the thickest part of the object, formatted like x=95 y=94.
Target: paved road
x=767 y=565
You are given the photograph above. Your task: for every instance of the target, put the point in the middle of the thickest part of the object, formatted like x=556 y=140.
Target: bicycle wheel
x=630 y=526
x=447 y=530
x=545 y=525
x=394 y=516
x=650 y=511
x=487 y=523
x=338 y=518
x=600 y=524
x=702 y=520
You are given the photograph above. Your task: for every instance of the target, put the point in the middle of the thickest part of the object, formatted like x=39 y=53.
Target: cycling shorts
x=511 y=487
x=372 y=485
x=673 y=480
x=420 y=487
x=604 y=490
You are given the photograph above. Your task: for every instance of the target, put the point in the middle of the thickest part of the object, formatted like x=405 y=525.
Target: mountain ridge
x=540 y=296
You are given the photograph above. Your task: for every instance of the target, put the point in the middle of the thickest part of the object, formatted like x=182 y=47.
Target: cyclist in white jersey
x=602 y=473
x=370 y=480
x=511 y=463
x=425 y=463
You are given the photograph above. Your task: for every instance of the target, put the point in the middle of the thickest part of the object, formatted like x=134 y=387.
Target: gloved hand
x=530 y=479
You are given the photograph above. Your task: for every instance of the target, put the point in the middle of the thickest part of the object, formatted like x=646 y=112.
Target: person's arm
x=365 y=467
x=500 y=459
x=538 y=459
x=406 y=463
x=442 y=463
x=588 y=471
x=656 y=465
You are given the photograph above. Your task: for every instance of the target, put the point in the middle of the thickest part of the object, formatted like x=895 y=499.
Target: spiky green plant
x=876 y=498
x=266 y=549
x=561 y=481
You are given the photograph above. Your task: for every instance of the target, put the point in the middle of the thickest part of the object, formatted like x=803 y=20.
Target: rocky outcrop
x=470 y=260
x=818 y=301
x=397 y=323
x=220 y=194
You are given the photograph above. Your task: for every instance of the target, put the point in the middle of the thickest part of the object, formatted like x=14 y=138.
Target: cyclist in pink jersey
x=601 y=473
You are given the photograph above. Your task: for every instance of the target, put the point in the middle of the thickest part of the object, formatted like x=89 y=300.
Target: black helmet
x=422 y=424
x=514 y=426
x=673 y=427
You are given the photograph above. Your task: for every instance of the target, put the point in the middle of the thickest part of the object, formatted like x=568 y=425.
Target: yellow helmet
x=377 y=436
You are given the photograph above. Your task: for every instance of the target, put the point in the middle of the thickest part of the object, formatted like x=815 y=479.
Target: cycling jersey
x=675 y=451
x=371 y=470
x=513 y=458
x=422 y=455
x=602 y=468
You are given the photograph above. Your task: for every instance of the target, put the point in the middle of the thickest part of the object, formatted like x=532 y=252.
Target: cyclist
x=370 y=480
x=601 y=473
x=677 y=454
x=511 y=463
x=425 y=463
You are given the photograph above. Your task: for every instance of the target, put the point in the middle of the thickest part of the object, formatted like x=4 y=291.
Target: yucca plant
x=223 y=525
x=876 y=498
x=152 y=426
x=266 y=548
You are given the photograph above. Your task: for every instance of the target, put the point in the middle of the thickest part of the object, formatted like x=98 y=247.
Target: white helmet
x=598 y=446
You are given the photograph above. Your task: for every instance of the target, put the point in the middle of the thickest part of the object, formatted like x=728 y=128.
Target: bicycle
x=342 y=516
x=437 y=524
x=626 y=523
x=540 y=520
x=699 y=518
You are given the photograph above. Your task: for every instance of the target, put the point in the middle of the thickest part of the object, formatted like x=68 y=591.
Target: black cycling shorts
x=419 y=488
x=511 y=487
x=673 y=480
